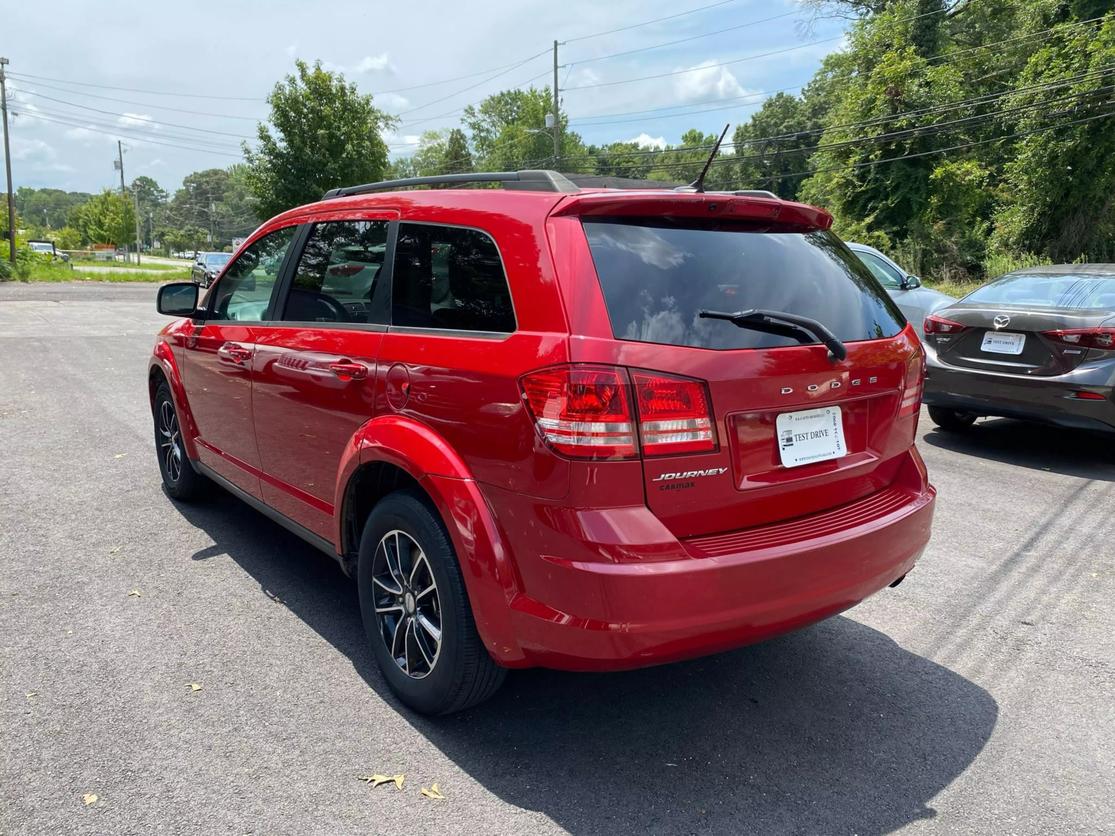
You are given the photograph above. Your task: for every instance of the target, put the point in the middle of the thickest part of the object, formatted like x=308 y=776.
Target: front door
x=314 y=370
x=215 y=357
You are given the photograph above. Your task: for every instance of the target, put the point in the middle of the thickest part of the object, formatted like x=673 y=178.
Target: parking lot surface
x=976 y=697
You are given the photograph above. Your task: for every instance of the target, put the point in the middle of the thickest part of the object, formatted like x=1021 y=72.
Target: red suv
x=588 y=429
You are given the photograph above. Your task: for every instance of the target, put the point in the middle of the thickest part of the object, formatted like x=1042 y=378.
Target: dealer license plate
x=812 y=435
x=998 y=342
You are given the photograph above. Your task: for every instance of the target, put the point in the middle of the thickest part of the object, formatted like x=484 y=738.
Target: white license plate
x=998 y=342
x=812 y=435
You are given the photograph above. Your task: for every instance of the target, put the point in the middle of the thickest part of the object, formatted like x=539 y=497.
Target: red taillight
x=587 y=412
x=1102 y=338
x=1084 y=395
x=939 y=325
x=583 y=411
x=674 y=414
x=913 y=386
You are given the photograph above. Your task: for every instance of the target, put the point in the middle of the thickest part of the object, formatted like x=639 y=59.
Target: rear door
x=314 y=367
x=796 y=431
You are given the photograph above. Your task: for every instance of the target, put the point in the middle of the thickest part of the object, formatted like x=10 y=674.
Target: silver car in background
x=915 y=302
x=1036 y=344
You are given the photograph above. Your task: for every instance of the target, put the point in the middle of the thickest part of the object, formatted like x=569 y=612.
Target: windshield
x=657 y=277
x=39 y=247
x=1048 y=290
x=217 y=259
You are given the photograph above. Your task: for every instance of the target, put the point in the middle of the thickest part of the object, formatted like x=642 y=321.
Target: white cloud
x=707 y=81
x=391 y=100
x=291 y=50
x=156 y=163
x=32 y=149
x=645 y=140
x=374 y=63
x=136 y=120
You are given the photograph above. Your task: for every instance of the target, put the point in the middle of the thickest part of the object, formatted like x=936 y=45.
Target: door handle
x=234 y=353
x=347 y=370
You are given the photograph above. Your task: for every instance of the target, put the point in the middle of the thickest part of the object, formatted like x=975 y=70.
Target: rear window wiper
x=778 y=321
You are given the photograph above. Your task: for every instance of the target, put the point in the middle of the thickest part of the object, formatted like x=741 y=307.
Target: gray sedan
x=915 y=302
x=1036 y=344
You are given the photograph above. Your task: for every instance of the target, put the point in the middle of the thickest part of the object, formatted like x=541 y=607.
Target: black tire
x=951 y=420
x=461 y=673
x=180 y=480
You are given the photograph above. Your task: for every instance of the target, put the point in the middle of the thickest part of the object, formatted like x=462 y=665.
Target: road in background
x=976 y=697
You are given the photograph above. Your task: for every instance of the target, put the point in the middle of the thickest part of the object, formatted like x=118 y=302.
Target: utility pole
x=139 y=239
x=557 y=119
x=7 y=163
x=119 y=164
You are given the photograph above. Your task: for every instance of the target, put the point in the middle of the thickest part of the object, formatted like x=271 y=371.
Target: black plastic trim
x=286 y=522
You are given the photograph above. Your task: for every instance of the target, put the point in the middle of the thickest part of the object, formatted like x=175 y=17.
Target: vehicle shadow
x=833 y=729
x=1090 y=455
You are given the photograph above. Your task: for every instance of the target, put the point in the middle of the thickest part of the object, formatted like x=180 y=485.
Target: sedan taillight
x=1102 y=338
x=939 y=325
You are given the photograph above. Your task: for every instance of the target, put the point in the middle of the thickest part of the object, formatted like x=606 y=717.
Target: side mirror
x=177 y=299
x=910 y=282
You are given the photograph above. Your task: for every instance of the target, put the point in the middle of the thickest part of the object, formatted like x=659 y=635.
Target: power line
x=83 y=121
x=682 y=40
x=647 y=22
x=133 y=138
x=134 y=117
x=138 y=90
x=785 y=50
x=37 y=84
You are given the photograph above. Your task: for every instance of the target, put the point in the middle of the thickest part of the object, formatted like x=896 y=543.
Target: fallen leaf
x=31 y=694
x=432 y=792
x=89 y=798
x=194 y=686
x=377 y=779
x=135 y=593
x=114 y=550
x=120 y=455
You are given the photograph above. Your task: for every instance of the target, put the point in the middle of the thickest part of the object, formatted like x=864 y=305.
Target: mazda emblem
x=1002 y=321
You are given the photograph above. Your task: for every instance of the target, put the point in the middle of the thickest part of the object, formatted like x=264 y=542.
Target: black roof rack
x=539 y=180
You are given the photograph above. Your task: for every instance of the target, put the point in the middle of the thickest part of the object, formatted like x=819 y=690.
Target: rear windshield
x=1052 y=290
x=657 y=277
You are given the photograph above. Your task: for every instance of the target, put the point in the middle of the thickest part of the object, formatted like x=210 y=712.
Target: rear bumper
x=1046 y=399
x=655 y=602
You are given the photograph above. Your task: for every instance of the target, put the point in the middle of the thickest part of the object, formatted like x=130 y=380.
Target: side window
x=337 y=272
x=882 y=271
x=244 y=292
x=448 y=277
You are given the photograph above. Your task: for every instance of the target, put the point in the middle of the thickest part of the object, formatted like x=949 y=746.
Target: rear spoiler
x=707 y=205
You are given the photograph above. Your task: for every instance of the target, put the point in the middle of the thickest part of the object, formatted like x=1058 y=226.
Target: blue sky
x=182 y=86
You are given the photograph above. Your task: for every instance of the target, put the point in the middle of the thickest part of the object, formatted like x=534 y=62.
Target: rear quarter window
x=657 y=277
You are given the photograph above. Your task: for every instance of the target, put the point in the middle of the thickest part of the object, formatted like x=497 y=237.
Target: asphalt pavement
x=977 y=697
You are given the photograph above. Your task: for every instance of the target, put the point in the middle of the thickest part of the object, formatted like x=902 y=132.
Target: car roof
x=1098 y=271
x=537 y=205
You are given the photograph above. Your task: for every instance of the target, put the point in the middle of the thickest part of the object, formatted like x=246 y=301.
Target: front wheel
x=951 y=420
x=416 y=612
x=180 y=479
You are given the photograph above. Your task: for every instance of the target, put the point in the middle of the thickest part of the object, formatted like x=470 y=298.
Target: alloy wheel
x=407 y=604
x=170 y=441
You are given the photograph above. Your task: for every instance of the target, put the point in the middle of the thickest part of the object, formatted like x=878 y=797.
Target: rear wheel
x=951 y=420
x=180 y=479
x=416 y=612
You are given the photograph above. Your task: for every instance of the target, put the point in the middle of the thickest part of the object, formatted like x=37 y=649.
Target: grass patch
x=954 y=288
x=122 y=265
x=56 y=272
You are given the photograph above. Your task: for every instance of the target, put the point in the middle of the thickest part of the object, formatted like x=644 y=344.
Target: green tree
x=442 y=152
x=323 y=133
x=107 y=218
x=509 y=132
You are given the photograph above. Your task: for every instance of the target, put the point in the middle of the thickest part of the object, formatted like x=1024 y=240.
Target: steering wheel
x=305 y=301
